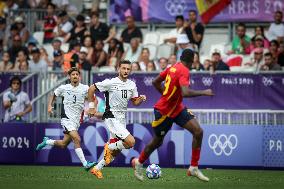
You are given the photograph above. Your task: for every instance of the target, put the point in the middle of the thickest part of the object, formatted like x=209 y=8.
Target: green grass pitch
x=53 y=177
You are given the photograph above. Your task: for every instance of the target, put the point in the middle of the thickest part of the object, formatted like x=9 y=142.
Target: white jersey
x=73 y=100
x=117 y=94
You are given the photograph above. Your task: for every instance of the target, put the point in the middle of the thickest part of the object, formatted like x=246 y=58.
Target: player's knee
x=199 y=132
x=130 y=142
x=77 y=140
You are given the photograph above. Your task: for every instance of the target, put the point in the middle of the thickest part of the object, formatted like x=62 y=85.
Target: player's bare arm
x=91 y=92
x=50 y=104
x=138 y=100
x=186 y=92
x=157 y=83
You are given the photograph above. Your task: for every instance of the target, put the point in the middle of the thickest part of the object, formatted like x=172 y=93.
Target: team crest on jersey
x=173 y=70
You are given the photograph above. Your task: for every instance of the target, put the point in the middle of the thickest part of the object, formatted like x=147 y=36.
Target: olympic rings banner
x=232 y=91
x=166 y=10
x=253 y=146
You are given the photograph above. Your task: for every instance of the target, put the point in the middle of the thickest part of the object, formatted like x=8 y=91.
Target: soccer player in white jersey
x=118 y=91
x=74 y=95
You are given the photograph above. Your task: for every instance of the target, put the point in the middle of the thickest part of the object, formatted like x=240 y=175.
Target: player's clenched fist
x=208 y=92
x=143 y=97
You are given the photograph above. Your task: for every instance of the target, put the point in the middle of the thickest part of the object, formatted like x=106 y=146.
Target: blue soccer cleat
x=89 y=165
x=42 y=144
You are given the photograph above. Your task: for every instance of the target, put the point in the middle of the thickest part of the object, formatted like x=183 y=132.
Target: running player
x=169 y=109
x=74 y=95
x=118 y=91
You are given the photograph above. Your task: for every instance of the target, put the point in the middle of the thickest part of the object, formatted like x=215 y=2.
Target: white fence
x=218 y=116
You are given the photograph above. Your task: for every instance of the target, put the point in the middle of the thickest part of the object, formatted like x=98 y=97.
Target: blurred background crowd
x=61 y=35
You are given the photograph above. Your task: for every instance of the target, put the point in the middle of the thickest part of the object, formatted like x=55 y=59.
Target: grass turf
x=53 y=177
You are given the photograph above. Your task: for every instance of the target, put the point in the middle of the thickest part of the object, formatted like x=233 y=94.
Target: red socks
x=195 y=155
x=143 y=157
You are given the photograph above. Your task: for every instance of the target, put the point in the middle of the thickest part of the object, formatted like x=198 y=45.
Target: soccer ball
x=153 y=171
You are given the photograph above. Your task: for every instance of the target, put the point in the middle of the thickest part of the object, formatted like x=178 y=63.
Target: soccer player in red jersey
x=169 y=109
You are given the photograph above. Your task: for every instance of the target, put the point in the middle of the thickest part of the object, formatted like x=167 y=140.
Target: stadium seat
x=151 y=38
x=39 y=37
x=212 y=37
x=165 y=50
x=107 y=69
x=49 y=50
x=163 y=36
x=153 y=50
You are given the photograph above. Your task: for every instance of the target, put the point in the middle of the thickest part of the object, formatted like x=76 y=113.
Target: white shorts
x=69 y=125
x=117 y=128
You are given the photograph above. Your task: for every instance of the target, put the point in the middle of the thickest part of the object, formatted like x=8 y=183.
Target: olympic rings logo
x=267 y=81
x=175 y=7
x=223 y=144
x=207 y=81
x=148 y=81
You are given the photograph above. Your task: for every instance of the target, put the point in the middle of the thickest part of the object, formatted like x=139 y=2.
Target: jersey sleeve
x=135 y=92
x=59 y=91
x=27 y=99
x=5 y=97
x=86 y=88
x=103 y=85
x=184 y=78
x=164 y=73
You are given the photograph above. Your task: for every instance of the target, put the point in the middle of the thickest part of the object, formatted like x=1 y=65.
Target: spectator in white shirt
x=276 y=29
x=132 y=54
x=37 y=64
x=64 y=26
x=172 y=36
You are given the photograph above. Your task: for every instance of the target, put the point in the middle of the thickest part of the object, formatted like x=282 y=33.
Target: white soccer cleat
x=138 y=169
x=194 y=171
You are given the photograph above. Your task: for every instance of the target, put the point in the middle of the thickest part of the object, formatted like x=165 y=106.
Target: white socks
x=101 y=164
x=81 y=156
x=116 y=146
x=50 y=142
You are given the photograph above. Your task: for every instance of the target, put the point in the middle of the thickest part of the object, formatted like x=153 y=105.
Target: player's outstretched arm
x=157 y=83
x=137 y=101
x=50 y=104
x=186 y=92
x=91 y=92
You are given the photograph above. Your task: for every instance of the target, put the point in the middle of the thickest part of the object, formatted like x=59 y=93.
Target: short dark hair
x=192 y=10
x=95 y=13
x=163 y=58
x=279 y=12
x=268 y=54
x=124 y=62
x=15 y=78
x=73 y=69
x=274 y=41
x=187 y=56
x=241 y=25
x=179 y=17
x=52 y=5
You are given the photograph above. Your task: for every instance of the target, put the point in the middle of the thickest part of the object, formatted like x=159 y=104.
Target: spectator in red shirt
x=49 y=24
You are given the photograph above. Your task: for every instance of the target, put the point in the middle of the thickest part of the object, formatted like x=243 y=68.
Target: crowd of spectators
x=94 y=45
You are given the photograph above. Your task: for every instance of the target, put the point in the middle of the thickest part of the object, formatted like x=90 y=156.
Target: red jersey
x=49 y=25
x=170 y=103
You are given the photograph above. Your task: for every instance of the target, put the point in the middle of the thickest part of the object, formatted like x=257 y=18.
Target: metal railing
x=218 y=116
x=40 y=104
x=204 y=116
